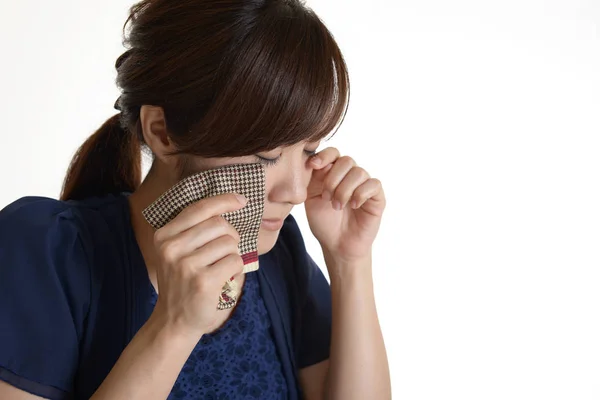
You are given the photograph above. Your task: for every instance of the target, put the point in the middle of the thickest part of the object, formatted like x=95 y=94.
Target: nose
x=291 y=186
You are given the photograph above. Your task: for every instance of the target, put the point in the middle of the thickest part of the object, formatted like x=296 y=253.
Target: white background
x=482 y=120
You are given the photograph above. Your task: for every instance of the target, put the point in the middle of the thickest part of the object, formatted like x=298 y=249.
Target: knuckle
x=347 y=160
x=226 y=228
x=231 y=198
x=228 y=265
x=186 y=264
x=329 y=183
x=231 y=228
x=343 y=194
x=159 y=236
x=226 y=202
x=333 y=151
x=362 y=173
x=194 y=208
x=235 y=235
x=230 y=242
x=169 y=251
x=235 y=263
x=197 y=210
x=199 y=205
x=238 y=267
x=331 y=188
x=363 y=191
x=215 y=277
x=202 y=282
x=224 y=224
x=219 y=223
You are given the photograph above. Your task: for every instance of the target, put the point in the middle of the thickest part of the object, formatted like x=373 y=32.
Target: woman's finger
x=324 y=157
x=370 y=190
x=345 y=190
x=204 y=232
x=198 y=212
x=211 y=253
x=340 y=168
x=315 y=186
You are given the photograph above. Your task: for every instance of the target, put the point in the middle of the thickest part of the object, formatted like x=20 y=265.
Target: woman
x=96 y=304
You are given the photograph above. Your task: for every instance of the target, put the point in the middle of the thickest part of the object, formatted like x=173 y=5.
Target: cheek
x=269 y=190
x=276 y=177
x=270 y=179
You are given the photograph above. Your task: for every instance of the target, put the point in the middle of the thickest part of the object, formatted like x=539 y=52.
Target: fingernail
x=337 y=205
x=316 y=160
x=354 y=204
x=241 y=199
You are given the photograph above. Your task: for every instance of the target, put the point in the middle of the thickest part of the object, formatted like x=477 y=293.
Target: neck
x=148 y=192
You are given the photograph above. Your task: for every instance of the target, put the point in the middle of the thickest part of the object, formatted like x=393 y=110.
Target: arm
x=147 y=368
x=357 y=367
x=12 y=393
x=358 y=361
x=149 y=365
x=344 y=208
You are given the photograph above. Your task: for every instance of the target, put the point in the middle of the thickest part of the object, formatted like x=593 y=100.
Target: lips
x=272 y=224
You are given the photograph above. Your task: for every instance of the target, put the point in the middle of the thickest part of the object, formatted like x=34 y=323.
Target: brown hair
x=234 y=77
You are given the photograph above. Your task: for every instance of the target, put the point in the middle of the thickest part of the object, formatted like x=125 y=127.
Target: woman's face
x=288 y=173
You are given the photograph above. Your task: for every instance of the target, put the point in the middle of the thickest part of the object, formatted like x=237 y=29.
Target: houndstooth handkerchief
x=244 y=179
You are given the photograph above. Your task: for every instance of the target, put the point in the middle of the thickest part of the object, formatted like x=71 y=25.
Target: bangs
x=283 y=81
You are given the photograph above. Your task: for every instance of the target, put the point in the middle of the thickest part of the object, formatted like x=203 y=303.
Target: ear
x=156 y=136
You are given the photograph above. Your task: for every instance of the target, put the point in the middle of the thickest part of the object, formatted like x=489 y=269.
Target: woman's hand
x=344 y=206
x=198 y=253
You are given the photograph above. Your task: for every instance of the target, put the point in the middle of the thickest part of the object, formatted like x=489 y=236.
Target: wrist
x=348 y=270
x=165 y=330
x=343 y=259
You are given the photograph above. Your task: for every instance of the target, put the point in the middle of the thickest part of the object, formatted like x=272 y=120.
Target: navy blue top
x=74 y=291
x=237 y=361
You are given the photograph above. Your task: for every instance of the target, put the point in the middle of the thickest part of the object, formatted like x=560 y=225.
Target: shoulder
x=30 y=209
x=33 y=221
x=30 y=223
x=45 y=281
x=49 y=239
x=40 y=242
x=37 y=212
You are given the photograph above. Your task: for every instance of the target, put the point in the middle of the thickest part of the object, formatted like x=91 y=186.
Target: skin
x=189 y=259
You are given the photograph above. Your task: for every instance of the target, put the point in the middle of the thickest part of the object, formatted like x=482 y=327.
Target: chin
x=266 y=241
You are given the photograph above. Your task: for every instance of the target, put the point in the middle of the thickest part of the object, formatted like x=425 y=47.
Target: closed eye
x=268 y=161
x=273 y=161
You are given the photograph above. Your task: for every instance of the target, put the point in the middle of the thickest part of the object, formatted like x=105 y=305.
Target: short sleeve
x=315 y=332
x=44 y=296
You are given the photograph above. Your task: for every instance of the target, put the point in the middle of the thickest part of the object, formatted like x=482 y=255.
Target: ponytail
x=108 y=162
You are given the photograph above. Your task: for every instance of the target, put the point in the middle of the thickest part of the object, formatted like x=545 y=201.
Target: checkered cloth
x=245 y=179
